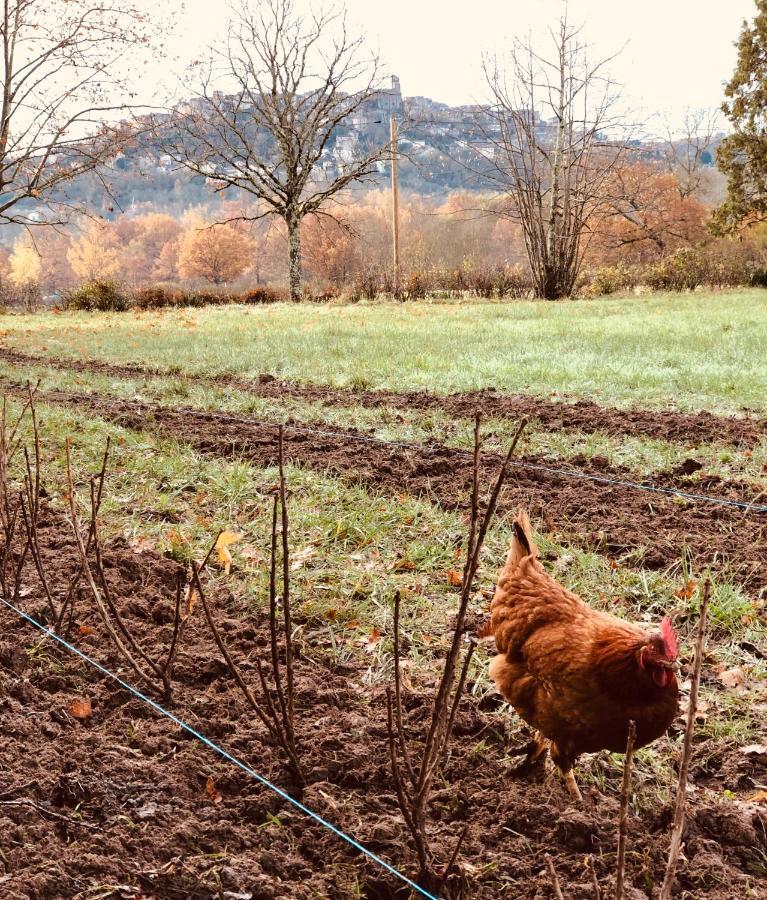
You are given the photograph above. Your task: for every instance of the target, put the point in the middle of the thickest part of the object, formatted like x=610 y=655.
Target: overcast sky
x=678 y=53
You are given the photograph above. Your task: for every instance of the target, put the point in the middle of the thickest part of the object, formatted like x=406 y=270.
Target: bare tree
x=558 y=133
x=689 y=150
x=60 y=89
x=297 y=81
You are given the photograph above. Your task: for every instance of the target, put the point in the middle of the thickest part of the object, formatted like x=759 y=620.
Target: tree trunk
x=294 y=256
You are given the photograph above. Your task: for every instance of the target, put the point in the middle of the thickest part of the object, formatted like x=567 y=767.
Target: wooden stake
x=557 y=887
x=681 y=794
x=623 y=818
x=395 y=199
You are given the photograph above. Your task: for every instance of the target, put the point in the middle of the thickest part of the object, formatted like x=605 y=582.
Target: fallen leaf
x=733 y=678
x=755 y=750
x=687 y=590
x=226 y=538
x=141 y=545
x=248 y=551
x=86 y=630
x=174 y=536
x=223 y=542
x=212 y=791
x=403 y=565
x=298 y=558
x=758 y=797
x=225 y=558
x=701 y=712
x=373 y=638
x=455 y=578
x=190 y=601
x=80 y=708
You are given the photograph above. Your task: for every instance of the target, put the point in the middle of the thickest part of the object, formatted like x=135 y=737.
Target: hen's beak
x=671 y=664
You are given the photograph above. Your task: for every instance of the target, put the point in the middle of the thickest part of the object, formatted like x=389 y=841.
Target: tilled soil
x=580 y=415
x=119 y=803
x=637 y=528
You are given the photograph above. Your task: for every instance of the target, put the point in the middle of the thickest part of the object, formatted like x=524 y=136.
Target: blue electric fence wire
x=220 y=750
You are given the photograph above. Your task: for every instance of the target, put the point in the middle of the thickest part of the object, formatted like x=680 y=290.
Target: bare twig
x=23 y=801
x=86 y=567
x=278 y=716
x=457 y=697
x=623 y=818
x=286 y=581
x=456 y=851
x=398 y=690
x=677 y=827
x=554 y=877
x=413 y=780
x=594 y=879
x=179 y=625
x=233 y=667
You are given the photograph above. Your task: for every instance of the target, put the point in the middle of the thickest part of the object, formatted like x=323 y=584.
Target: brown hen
x=577 y=675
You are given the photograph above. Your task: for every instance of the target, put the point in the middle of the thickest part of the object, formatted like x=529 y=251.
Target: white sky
x=679 y=52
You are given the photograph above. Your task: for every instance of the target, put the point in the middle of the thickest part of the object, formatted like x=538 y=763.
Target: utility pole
x=395 y=199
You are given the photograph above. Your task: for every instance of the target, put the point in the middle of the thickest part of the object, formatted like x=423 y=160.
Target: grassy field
x=700 y=351
x=353 y=545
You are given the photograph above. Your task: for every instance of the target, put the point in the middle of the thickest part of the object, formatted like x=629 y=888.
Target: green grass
x=678 y=351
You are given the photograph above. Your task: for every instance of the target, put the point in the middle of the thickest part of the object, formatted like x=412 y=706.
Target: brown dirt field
x=115 y=805
x=578 y=415
x=633 y=527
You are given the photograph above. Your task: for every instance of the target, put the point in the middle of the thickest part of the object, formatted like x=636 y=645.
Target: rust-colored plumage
x=577 y=675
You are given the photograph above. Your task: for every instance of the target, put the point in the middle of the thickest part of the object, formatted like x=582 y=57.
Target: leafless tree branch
x=558 y=133
x=298 y=81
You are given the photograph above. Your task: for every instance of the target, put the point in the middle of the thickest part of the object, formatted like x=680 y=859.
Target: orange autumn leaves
x=223 y=543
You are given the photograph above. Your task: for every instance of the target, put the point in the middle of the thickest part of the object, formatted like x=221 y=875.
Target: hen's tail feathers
x=521 y=541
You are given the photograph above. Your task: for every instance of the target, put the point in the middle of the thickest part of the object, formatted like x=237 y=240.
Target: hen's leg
x=572 y=788
x=564 y=764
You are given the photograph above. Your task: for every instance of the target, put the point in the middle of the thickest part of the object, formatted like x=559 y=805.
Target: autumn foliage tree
x=143 y=240
x=25 y=263
x=331 y=250
x=649 y=216
x=216 y=253
x=94 y=255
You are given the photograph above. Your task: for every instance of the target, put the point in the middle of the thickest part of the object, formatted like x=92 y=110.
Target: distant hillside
x=441 y=149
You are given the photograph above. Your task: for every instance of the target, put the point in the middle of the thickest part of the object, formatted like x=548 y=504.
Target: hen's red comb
x=669 y=638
